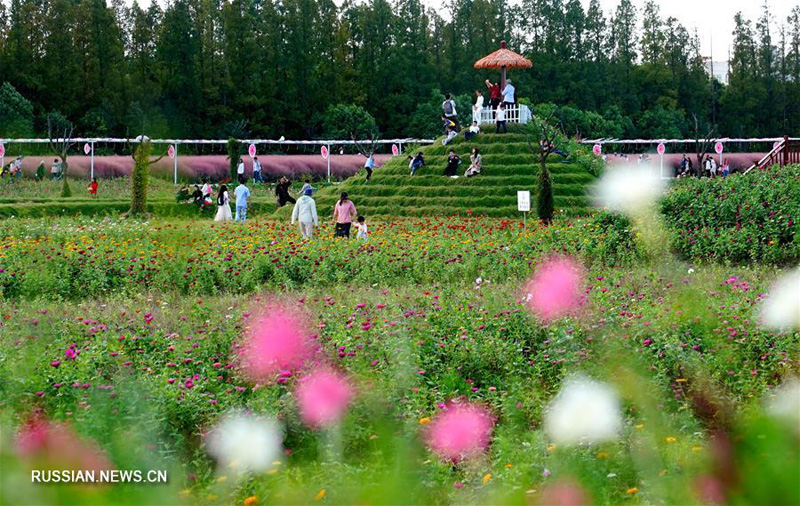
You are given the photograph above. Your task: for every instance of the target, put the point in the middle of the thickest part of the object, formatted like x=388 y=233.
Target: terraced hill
x=508 y=166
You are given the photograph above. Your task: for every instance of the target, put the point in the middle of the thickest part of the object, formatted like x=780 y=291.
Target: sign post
x=325 y=151
x=251 y=150
x=597 y=149
x=172 y=151
x=660 y=149
x=718 y=148
x=524 y=205
x=89 y=150
x=2 y=154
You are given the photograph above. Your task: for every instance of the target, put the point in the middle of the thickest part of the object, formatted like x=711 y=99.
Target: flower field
x=443 y=361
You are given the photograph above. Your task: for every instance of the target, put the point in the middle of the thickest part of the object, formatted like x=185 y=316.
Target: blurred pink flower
x=275 y=341
x=564 y=493
x=323 y=397
x=56 y=446
x=461 y=431
x=555 y=288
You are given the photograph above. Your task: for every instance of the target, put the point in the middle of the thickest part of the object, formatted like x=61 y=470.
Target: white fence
x=516 y=113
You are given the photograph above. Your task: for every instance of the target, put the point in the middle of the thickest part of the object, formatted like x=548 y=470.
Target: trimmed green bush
x=139 y=179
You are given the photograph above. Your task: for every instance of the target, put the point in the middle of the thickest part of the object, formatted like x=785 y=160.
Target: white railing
x=517 y=113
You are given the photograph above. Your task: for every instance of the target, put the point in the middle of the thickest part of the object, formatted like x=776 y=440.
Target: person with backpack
x=449 y=109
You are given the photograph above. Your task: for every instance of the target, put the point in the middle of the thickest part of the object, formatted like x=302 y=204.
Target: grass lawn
x=128 y=336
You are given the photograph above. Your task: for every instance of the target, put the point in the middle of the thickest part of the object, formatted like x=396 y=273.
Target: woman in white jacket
x=305 y=211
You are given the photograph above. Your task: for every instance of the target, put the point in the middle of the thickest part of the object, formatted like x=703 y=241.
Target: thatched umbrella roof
x=503 y=58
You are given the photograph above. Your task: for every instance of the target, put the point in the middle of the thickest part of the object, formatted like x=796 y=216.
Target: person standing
x=449 y=109
x=223 y=205
x=369 y=165
x=55 y=170
x=478 y=107
x=500 y=119
x=343 y=213
x=206 y=190
x=240 y=169
x=17 y=172
x=362 y=229
x=257 y=178
x=509 y=97
x=305 y=212
x=494 y=94
x=282 y=192
x=242 y=193
x=93 y=188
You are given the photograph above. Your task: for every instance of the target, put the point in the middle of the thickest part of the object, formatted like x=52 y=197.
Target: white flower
x=690 y=271
x=584 y=411
x=245 y=443
x=781 y=309
x=629 y=189
x=785 y=405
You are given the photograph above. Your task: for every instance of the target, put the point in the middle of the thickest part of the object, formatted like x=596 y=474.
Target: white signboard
x=524 y=201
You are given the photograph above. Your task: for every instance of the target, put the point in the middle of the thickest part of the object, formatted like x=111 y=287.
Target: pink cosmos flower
x=461 y=431
x=323 y=397
x=275 y=341
x=555 y=289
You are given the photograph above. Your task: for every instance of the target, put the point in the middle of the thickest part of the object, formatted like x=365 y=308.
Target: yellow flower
x=550 y=448
x=272 y=471
x=671 y=439
x=222 y=479
x=320 y=495
x=632 y=490
x=639 y=426
x=602 y=455
x=697 y=448
x=487 y=478
x=425 y=420
x=509 y=466
x=251 y=501
x=185 y=492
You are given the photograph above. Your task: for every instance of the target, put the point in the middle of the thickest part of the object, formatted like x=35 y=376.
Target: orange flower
x=251 y=501
x=320 y=495
x=632 y=490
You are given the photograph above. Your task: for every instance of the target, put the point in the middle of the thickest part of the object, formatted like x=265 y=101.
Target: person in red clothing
x=494 y=93
x=93 y=188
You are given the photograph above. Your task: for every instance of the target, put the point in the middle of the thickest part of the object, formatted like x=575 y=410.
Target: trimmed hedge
x=741 y=218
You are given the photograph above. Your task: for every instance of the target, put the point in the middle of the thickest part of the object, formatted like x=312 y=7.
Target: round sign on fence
x=395 y=150
x=597 y=149
x=718 y=147
x=171 y=151
x=661 y=148
x=251 y=150
x=2 y=149
x=324 y=151
x=87 y=148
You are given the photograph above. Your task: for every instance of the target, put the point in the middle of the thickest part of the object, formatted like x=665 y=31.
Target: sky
x=712 y=18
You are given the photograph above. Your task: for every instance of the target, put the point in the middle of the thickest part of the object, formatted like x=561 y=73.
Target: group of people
x=344 y=212
x=499 y=100
x=241 y=194
x=709 y=168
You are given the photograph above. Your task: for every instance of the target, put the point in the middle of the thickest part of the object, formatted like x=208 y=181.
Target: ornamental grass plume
x=323 y=397
x=460 y=431
x=781 y=309
x=56 y=446
x=629 y=189
x=275 y=341
x=555 y=289
x=584 y=411
x=245 y=443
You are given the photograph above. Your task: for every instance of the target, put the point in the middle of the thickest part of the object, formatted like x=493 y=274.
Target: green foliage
x=16 y=113
x=140 y=178
x=40 y=172
x=741 y=218
x=234 y=155
x=544 y=196
x=66 y=192
x=343 y=121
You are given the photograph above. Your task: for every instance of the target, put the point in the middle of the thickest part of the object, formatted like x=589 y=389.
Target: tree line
x=267 y=68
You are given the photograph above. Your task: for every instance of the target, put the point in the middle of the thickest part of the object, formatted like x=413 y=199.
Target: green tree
x=342 y=121
x=16 y=111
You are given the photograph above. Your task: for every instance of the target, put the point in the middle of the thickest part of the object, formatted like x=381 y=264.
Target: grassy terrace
x=508 y=166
